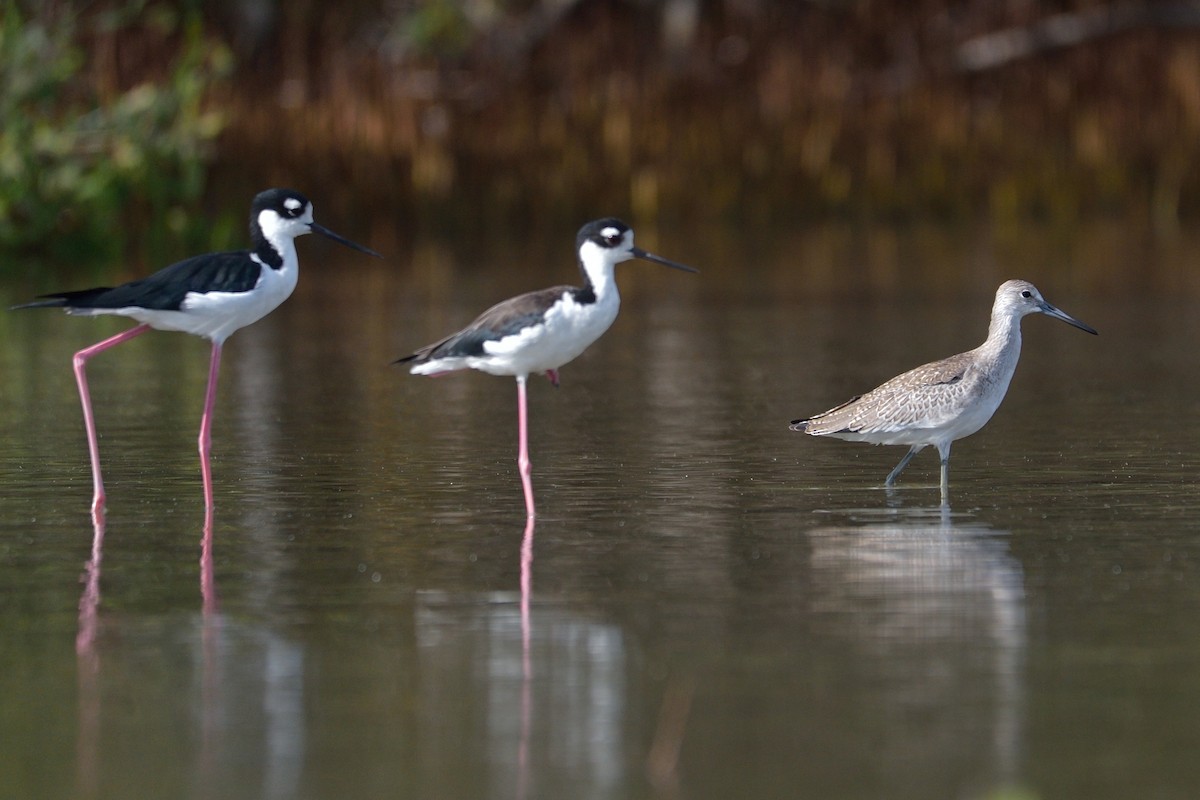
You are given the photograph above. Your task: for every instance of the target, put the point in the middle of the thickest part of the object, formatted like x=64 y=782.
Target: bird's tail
x=47 y=303
x=421 y=356
x=80 y=299
x=799 y=425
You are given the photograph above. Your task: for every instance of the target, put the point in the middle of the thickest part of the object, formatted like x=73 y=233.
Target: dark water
x=709 y=606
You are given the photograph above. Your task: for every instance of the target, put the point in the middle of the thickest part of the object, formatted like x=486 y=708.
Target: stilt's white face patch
x=278 y=228
x=610 y=233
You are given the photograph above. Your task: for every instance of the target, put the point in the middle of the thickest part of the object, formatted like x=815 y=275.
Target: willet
x=540 y=331
x=945 y=400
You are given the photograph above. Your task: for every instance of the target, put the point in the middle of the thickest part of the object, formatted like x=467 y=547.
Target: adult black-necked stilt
x=945 y=400
x=211 y=295
x=540 y=331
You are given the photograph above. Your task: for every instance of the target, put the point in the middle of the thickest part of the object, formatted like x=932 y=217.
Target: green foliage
x=77 y=174
x=438 y=28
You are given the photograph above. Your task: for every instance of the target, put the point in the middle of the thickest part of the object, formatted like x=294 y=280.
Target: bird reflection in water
x=88 y=662
x=210 y=635
x=88 y=668
x=935 y=603
x=526 y=660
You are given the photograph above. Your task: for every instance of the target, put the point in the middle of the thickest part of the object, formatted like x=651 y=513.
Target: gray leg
x=912 y=451
x=944 y=452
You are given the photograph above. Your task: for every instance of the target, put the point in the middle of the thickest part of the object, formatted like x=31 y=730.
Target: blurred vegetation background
x=140 y=128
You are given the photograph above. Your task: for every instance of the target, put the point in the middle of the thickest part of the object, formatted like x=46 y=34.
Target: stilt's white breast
x=216 y=315
x=566 y=329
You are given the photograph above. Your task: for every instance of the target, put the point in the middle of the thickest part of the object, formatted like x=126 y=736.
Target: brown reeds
x=771 y=110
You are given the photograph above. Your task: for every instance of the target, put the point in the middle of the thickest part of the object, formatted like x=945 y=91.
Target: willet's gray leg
x=912 y=451
x=944 y=452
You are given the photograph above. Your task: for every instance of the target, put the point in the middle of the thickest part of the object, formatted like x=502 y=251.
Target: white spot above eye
x=609 y=233
x=291 y=204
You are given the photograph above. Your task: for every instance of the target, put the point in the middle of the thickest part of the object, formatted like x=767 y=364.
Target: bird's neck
x=600 y=278
x=1004 y=338
x=273 y=254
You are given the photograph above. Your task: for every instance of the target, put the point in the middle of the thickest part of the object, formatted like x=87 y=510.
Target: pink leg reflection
x=87 y=743
x=210 y=631
x=88 y=659
x=208 y=589
x=89 y=601
x=526 y=660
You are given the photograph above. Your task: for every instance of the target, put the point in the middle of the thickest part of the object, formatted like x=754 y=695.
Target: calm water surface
x=709 y=606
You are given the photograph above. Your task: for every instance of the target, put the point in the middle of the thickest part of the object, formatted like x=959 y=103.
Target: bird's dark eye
x=1026 y=293
x=610 y=236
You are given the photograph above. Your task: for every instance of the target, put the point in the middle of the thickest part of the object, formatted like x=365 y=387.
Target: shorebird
x=209 y=295
x=540 y=331
x=945 y=400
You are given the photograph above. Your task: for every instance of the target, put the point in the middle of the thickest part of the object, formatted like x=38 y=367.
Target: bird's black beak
x=642 y=254
x=1058 y=313
x=315 y=228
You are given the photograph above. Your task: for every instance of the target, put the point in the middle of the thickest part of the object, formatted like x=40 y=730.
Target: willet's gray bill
x=540 y=331
x=210 y=295
x=945 y=400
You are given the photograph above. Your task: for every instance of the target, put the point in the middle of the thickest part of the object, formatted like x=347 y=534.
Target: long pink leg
x=85 y=397
x=210 y=397
x=523 y=451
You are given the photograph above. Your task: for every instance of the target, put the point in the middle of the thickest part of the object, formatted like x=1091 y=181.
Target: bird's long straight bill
x=1058 y=313
x=321 y=229
x=642 y=254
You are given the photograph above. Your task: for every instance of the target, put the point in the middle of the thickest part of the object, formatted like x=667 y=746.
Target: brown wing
x=501 y=320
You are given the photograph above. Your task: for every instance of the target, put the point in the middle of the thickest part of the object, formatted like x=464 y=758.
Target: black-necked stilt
x=211 y=295
x=945 y=400
x=541 y=331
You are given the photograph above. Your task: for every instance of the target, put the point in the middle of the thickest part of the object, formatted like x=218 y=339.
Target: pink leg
x=523 y=451
x=89 y=421
x=552 y=374
x=206 y=431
